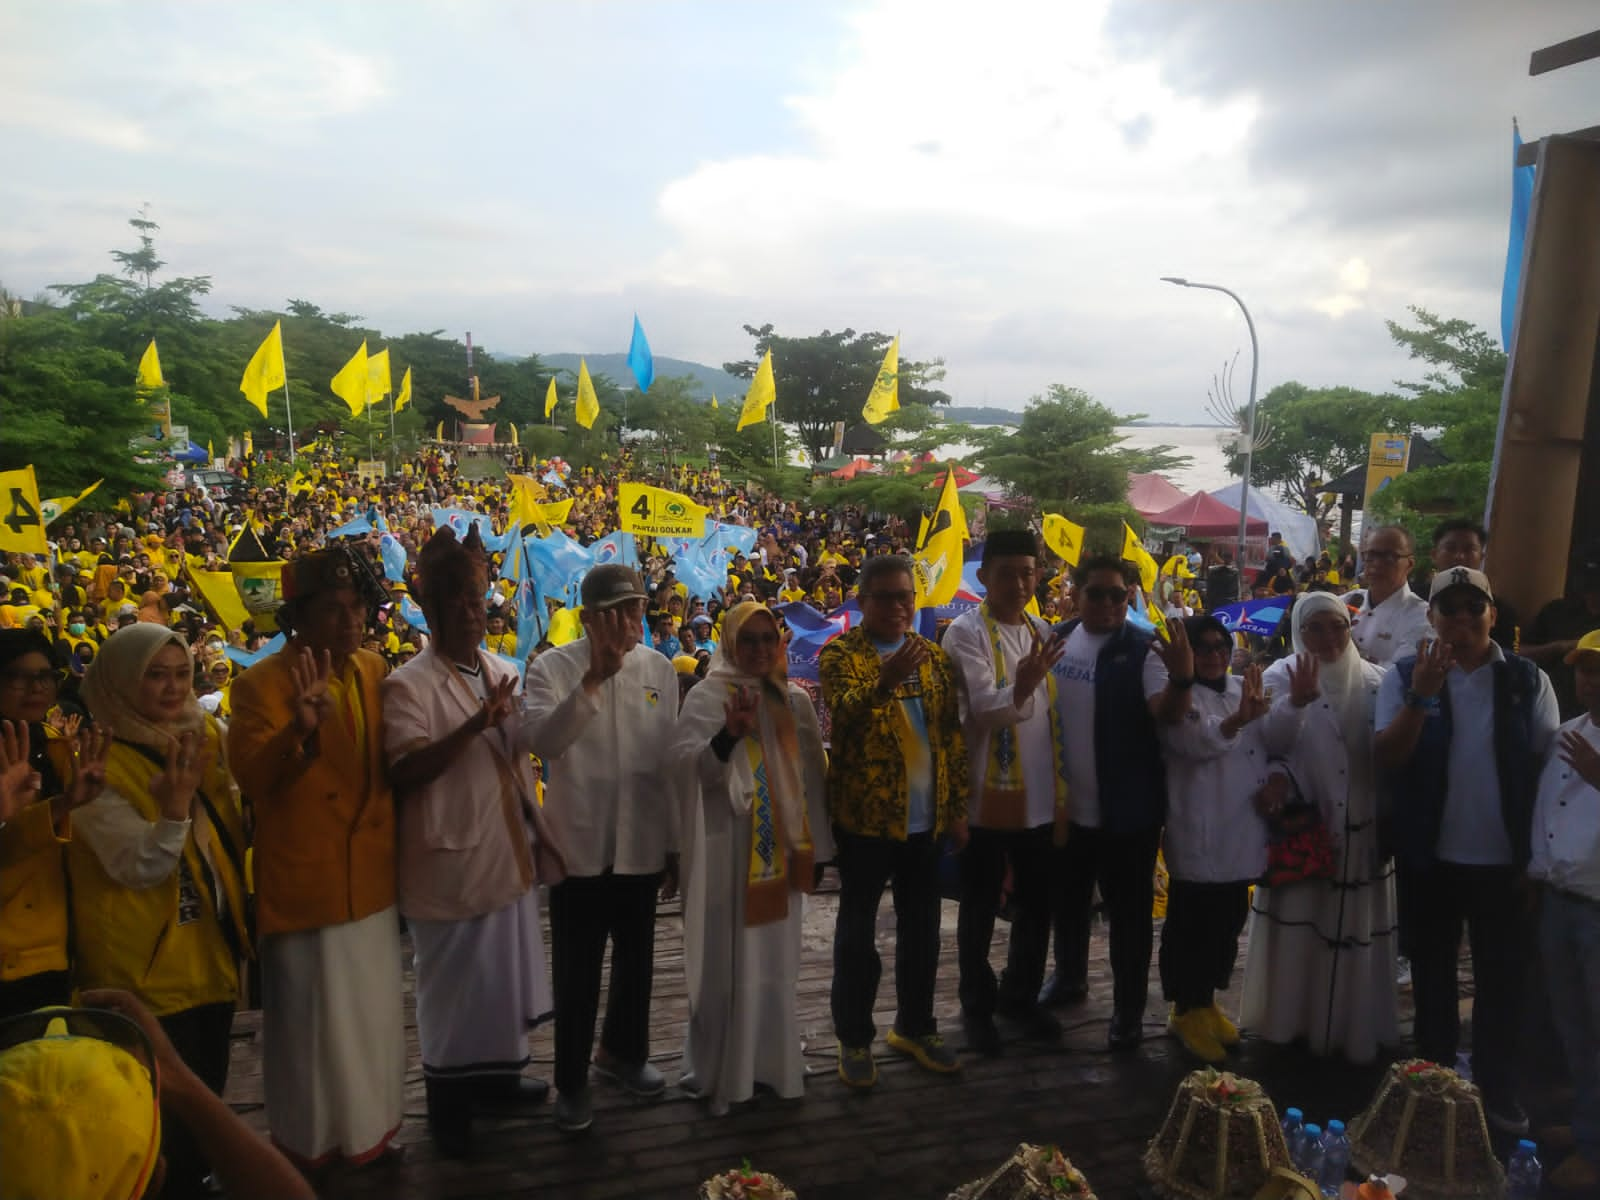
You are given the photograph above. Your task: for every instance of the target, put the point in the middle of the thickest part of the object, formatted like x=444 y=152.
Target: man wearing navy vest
x=1462 y=730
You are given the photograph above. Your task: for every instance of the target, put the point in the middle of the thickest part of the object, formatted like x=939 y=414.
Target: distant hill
x=708 y=379
x=980 y=415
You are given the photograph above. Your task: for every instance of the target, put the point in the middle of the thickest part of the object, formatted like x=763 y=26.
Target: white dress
x=743 y=1024
x=1321 y=957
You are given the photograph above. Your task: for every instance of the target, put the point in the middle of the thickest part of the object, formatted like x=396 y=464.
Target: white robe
x=743 y=1025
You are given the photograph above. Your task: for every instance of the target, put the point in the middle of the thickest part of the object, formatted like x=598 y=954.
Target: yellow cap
x=685 y=664
x=1589 y=643
x=78 y=1117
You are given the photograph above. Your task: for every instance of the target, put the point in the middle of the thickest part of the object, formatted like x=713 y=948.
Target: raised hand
x=1434 y=660
x=68 y=723
x=499 y=704
x=311 y=703
x=902 y=664
x=607 y=634
x=19 y=782
x=1579 y=754
x=741 y=714
x=1176 y=654
x=89 y=768
x=1036 y=664
x=1305 y=682
x=188 y=757
x=1252 y=697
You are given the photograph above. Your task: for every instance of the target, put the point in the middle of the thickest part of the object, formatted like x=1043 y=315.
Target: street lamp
x=1250 y=411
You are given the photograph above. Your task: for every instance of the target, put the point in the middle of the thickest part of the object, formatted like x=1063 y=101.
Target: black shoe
x=450 y=1117
x=982 y=1036
x=1057 y=993
x=1036 y=1022
x=1126 y=1032
x=513 y=1091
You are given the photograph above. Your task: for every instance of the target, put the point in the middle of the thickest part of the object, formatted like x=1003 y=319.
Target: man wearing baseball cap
x=600 y=713
x=1462 y=730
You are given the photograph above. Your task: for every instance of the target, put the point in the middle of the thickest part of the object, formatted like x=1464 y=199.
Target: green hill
x=707 y=379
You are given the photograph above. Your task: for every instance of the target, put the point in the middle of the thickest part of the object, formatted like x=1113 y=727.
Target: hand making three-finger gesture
x=741 y=714
x=312 y=703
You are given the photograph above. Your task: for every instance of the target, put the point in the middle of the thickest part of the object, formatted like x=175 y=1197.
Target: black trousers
x=45 y=989
x=983 y=867
x=202 y=1037
x=1124 y=865
x=866 y=866
x=1200 y=940
x=1434 y=905
x=584 y=912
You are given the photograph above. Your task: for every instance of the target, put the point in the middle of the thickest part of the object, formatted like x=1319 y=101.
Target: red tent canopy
x=1205 y=516
x=1151 y=493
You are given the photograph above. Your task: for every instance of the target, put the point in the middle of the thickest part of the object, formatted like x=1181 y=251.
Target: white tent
x=1299 y=529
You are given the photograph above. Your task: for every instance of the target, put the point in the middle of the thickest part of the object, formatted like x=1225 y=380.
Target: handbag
x=1299 y=846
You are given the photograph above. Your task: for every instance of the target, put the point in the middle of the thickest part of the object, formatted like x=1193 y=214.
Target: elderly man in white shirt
x=1392 y=619
x=600 y=713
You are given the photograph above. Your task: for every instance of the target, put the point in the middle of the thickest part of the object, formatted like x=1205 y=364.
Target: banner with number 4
x=21 y=525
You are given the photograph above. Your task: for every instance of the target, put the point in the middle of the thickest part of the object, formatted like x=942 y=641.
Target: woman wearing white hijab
x=754 y=823
x=1321 y=959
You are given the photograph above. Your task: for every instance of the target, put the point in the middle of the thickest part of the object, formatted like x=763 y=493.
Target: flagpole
x=289 y=411
x=772 y=415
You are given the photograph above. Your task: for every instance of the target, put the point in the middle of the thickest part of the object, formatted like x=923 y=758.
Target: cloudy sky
x=1002 y=183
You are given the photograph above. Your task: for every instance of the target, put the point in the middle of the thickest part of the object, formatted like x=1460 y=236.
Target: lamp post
x=1250 y=411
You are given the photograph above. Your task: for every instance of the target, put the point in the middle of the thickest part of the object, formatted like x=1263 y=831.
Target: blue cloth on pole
x=640 y=361
x=245 y=659
x=729 y=537
x=359 y=527
x=1521 y=204
x=557 y=564
x=616 y=547
x=703 y=572
x=413 y=614
x=393 y=555
x=551 y=479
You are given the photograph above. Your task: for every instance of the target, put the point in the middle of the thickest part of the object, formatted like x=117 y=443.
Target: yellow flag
x=763 y=391
x=938 y=559
x=1178 y=567
x=351 y=383
x=565 y=626
x=588 y=402
x=379 y=384
x=265 y=371
x=514 y=440
x=21 y=525
x=249 y=444
x=1133 y=551
x=713 y=401
x=438 y=434
x=550 y=399
x=221 y=596
x=59 y=506
x=1063 y=537
x=556 y=511
x=404 y=398
x=526 y=494
x=885 y=395
x=150 y=368
x=211 y=455
x=656 y=512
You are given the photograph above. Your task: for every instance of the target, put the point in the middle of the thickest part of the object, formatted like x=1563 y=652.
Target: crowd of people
x=190 y=823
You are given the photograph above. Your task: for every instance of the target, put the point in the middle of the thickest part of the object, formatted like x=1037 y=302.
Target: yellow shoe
x=1576 y=1174
x=1224 y=1030
x=1193 y=1029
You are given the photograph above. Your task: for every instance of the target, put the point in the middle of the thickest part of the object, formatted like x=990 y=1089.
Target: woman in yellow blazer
x=33 y=877
x=157 y=863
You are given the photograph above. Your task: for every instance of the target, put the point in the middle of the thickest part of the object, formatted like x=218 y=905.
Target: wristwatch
x=1415 y=699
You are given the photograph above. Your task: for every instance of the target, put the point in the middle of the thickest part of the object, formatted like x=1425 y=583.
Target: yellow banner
x=1064 y=537
x=21 y=525
x=656 y=512
x=1386 y=461
x=217 y=589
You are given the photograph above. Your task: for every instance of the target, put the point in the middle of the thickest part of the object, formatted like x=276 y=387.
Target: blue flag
x=703 y=573
x=640 y=362
x=616 y=547
x=556 y=564
x=729 y=537
x=413 y=614
x=1521 y=203
x=359 y=527
x=394 y=558
x=245 y=659
x=551 y=479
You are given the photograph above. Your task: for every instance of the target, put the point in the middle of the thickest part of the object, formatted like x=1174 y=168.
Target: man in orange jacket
x=306 y=746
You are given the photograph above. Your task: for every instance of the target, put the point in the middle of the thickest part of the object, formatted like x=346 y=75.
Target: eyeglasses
x=1476 y=606
x=29 y=680
x=904 y=599
x=1385 y=556
x=1105 y=595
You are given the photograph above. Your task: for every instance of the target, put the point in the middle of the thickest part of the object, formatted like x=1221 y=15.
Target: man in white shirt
x=1462 y=728
x=1566 y=862
x=1392 y=618
x=600 y=714
x=1002 y=658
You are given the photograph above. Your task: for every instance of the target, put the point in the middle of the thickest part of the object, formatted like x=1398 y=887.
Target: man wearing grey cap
x=1462 y=731
x=600 y=714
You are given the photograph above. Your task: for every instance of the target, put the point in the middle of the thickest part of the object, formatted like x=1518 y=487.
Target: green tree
x=1314 y=435
x=676 y=423
x=825 y=378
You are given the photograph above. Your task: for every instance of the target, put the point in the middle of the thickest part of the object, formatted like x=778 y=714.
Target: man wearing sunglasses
x=1462 y=730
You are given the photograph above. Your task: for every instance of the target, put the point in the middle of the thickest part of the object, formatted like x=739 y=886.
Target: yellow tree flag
x=588 y=402
x=379 y=384
x=150 y=369
x=885 y=395
x=1133 y=551
x=404 y=398
x=550 y=399
x=938 y=559
x=351 y=383
x=1063 y=537
x=265 y=371
x=763 y=391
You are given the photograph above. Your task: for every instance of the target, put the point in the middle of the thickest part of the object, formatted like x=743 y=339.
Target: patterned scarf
x=1005 y=792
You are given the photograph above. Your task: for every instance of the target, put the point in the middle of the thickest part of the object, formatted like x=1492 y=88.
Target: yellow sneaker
x=1224 y=1030
x=1577 y=1175
x=1193 y=1029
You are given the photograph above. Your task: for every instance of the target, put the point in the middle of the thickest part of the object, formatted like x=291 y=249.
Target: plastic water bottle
x=1310 y=1161
x=1524 y=1173
x=1335 y=1159
x=1294 y=1122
